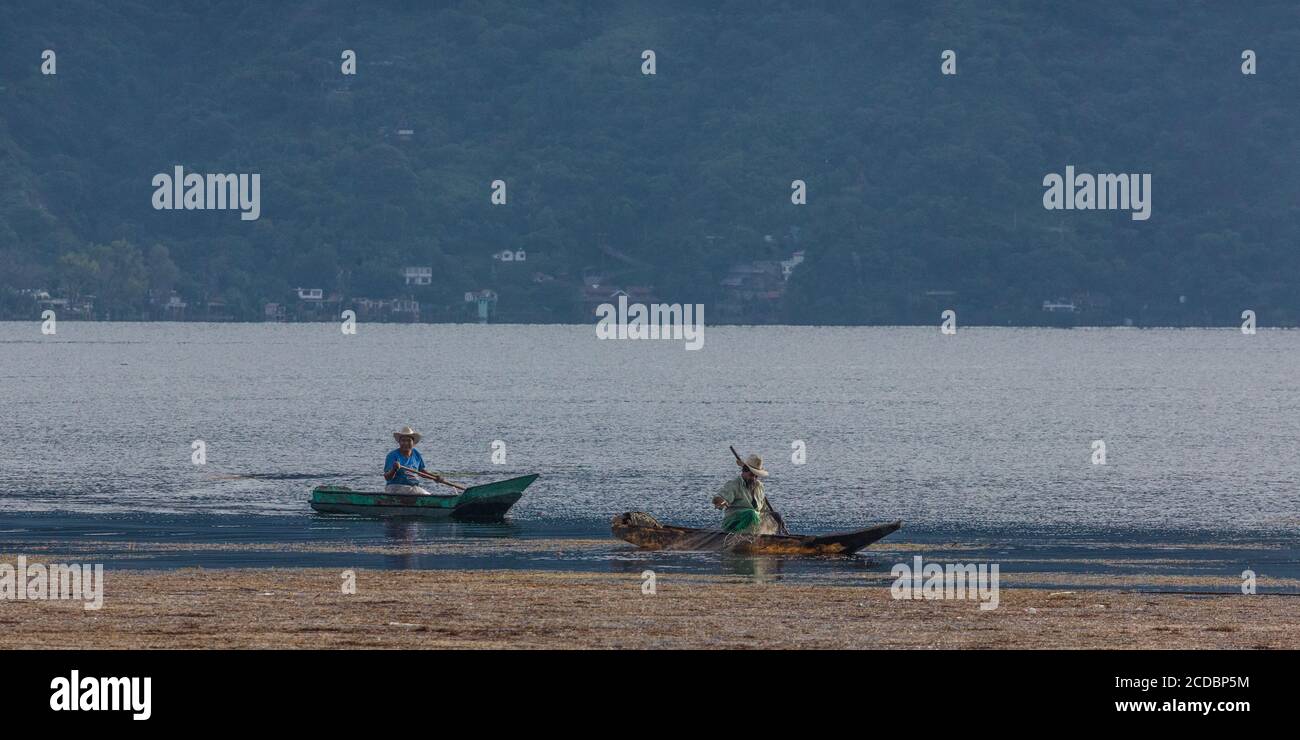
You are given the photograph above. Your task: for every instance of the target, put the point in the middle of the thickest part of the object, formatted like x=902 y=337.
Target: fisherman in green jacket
x=742 y=498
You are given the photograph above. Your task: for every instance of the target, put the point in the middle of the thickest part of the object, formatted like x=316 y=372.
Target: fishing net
x=734 y=540
x=640 y=519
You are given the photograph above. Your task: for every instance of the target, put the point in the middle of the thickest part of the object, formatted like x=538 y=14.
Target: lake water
x=989 y=431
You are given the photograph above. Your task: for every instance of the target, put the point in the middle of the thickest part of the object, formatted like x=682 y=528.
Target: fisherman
x=742 y=498
x=400 y=463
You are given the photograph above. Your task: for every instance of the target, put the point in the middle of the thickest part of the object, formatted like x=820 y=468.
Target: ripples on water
x=988 y=428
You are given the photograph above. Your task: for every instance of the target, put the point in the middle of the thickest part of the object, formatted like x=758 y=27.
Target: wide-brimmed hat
x=407 y=432
x=755 y=465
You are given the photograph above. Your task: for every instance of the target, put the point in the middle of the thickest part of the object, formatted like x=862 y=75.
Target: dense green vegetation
x=917 y=181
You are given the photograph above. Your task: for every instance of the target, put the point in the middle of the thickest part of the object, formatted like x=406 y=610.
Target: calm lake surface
x=987 y=432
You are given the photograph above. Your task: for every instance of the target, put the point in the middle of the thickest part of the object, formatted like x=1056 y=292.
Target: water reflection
x=762 y=569
x=401 y=532
x=759 y=569
x=408 y=535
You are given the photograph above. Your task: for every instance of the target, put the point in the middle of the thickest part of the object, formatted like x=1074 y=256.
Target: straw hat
x=755 y=465
x=407 y=432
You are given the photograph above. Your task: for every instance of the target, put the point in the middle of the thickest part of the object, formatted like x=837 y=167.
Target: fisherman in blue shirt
x=400 y=463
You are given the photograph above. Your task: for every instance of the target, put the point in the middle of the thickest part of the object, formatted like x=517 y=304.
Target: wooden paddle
x=780 y=521
x=431 y=476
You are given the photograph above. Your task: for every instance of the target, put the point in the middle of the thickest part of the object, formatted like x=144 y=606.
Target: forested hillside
x=924 y=190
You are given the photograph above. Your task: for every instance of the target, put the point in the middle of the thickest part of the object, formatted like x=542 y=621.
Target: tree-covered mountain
x=924 y=190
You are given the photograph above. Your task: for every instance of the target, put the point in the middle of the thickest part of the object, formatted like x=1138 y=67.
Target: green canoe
x=488 y=502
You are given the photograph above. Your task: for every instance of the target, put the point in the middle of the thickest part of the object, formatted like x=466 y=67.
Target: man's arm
x=725 y=495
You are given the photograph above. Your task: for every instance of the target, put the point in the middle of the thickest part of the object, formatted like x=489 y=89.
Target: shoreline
x=1097 y=560
x=531 y=609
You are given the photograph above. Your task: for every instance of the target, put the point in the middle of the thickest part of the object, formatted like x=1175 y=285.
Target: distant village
x=750 y=292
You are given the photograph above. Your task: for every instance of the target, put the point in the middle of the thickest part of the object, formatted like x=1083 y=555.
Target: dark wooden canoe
x=646 y=532
x=488 y=502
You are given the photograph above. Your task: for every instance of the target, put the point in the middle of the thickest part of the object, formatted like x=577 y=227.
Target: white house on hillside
x=418 y=275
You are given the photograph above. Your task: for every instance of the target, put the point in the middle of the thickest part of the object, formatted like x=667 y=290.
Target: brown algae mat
x=308 y=608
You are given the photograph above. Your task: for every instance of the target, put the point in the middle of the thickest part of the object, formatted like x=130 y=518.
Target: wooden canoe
x=488 y=502
x=646 y=532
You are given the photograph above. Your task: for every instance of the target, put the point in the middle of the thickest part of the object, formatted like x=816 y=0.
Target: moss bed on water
x=312 y=608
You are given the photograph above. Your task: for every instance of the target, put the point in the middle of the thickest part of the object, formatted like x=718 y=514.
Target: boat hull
x=645 y=532
x=488 y=502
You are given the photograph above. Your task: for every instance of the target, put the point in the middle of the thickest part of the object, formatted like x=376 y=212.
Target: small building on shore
x=1060 y=305
x=483 y=302
x=405 y=310
x=752 y=292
